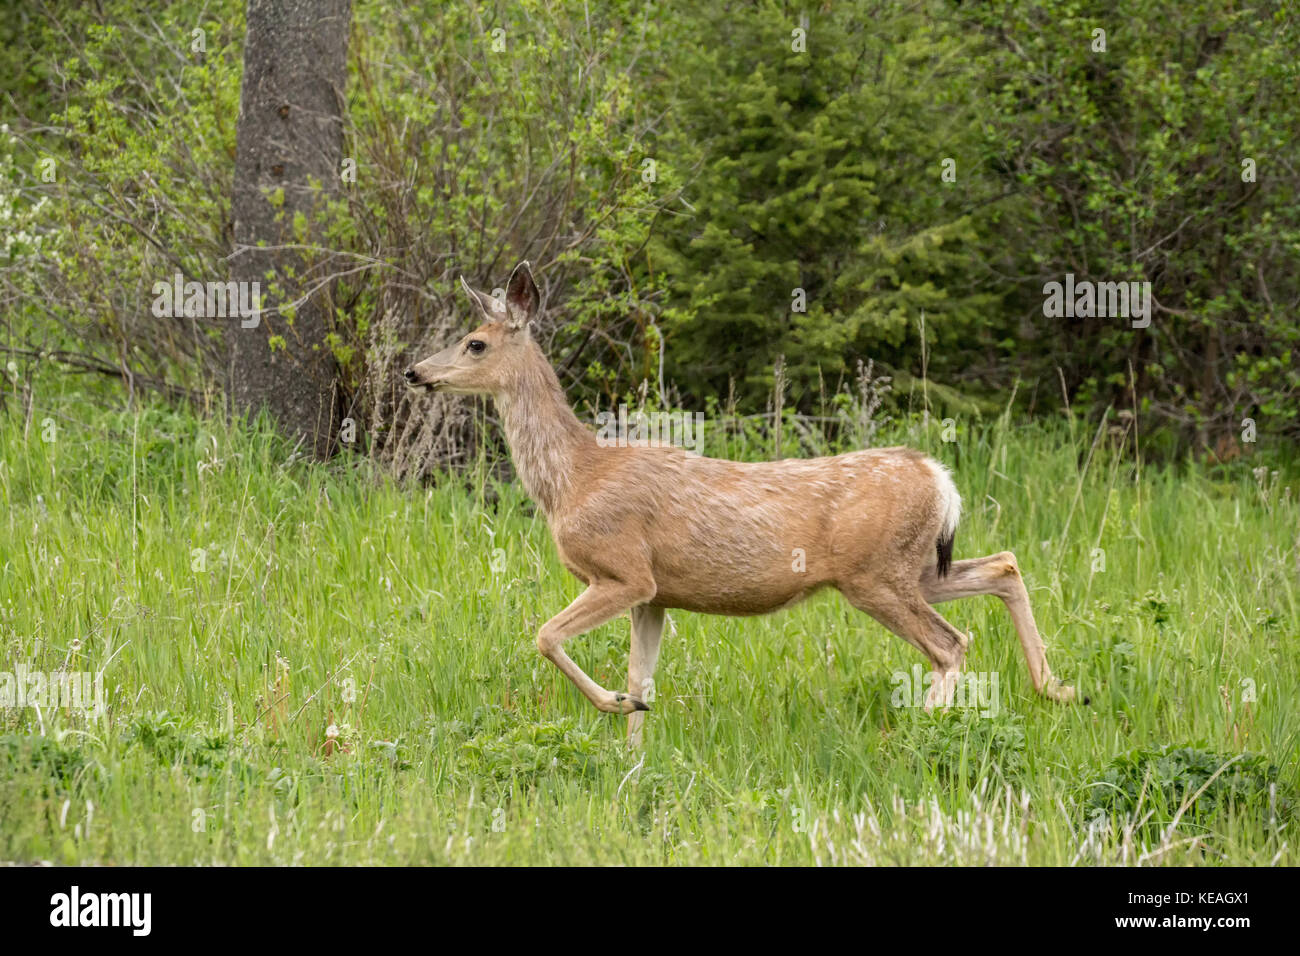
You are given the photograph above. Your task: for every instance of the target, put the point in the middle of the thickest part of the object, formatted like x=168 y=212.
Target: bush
x=1163 y=779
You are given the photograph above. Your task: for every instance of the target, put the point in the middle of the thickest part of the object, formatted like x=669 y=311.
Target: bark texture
x=290 y=138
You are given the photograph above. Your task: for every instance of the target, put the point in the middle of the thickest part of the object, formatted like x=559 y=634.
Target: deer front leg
x=601 y=602
x=647 y=632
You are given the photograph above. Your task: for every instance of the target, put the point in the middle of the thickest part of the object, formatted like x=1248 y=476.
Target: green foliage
x=819 y=179
x=683 y=177
x=1168 y=777
x=176 y=745
x=523 y=753
x=131 y=170
x=1131 y=163
x=484 y=136
x=963 y=747
x=56 y=764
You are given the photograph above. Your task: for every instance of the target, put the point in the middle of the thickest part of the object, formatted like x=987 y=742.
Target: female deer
x=647 y=529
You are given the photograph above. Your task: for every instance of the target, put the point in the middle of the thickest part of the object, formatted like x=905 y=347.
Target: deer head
x=485 y=360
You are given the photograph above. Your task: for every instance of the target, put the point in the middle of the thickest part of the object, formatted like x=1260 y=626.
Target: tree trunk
x=289 y=145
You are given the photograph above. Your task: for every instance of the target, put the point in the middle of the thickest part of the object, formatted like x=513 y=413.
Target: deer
x=653 y=529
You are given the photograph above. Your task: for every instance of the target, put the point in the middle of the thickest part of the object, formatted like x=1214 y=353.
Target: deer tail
x=949 y=507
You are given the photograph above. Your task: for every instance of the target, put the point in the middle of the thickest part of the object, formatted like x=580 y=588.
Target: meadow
x=311 y=664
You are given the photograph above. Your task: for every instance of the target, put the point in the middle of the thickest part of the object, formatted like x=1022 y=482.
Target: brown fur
x=653 y=528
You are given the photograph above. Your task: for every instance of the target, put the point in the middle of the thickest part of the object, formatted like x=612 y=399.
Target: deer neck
x=545 y=437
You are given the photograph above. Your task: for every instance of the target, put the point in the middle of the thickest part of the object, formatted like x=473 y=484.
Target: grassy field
x=310 y=665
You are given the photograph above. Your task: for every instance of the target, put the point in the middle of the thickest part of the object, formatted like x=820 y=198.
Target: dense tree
x=833 y=199
x=1153 y=142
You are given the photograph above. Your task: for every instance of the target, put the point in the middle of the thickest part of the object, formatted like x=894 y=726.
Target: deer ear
x=522 y=298
x=492 y=308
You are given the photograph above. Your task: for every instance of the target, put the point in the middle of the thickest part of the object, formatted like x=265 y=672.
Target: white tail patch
x=949 y=499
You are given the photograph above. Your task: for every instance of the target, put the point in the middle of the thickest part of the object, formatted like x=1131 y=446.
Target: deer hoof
x=627 y=704
x=1058 y=691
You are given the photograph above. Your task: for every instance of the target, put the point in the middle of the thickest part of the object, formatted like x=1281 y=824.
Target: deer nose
x=409 y=374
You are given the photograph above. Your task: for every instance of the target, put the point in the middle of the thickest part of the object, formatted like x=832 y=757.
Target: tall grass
x=311 y=664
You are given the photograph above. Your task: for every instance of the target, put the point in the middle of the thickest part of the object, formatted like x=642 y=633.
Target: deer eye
x=476 y=346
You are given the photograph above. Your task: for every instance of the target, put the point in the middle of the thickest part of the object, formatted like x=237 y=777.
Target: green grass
x=772 y=740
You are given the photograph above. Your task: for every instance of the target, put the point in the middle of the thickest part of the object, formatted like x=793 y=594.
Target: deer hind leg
x=602 y=601
x=910 y=616
x=647 y=632
x=999 y=574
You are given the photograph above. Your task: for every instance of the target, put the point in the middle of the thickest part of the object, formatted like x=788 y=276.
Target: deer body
x=725 y=537
x=655 y=528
